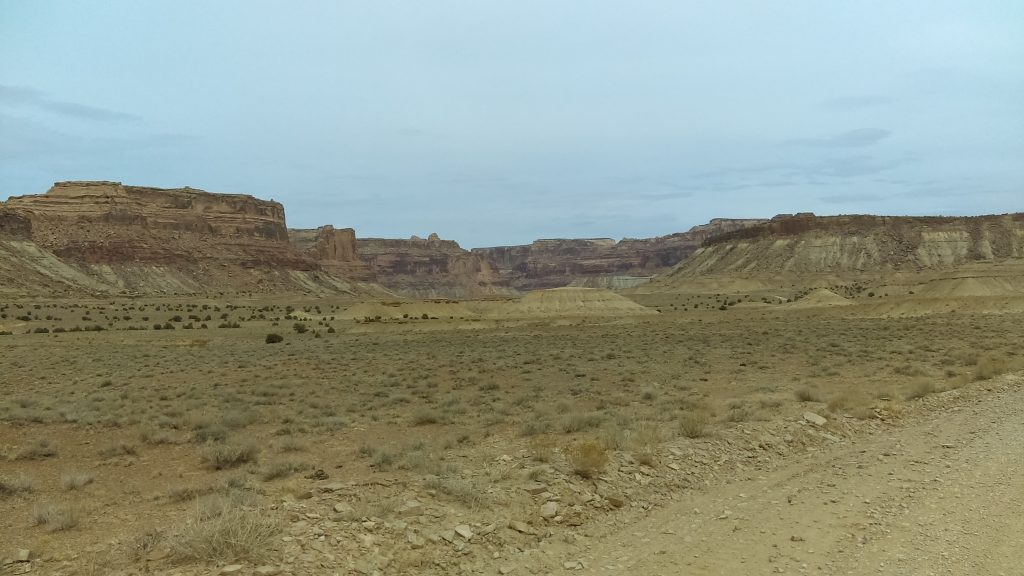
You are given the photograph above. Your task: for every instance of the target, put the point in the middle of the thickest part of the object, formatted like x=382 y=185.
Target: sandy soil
x=945 y=495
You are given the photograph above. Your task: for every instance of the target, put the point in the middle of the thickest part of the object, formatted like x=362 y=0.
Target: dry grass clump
x=119 y=449
x=920 y=390
x=588 y=459
x=54 y=517
x=990 y=366
x=76 y=480
x=230 y=531
x=13 y=486
x=38 y=450
x=289 y=444
x=282 y=469
x=807 y=395
x=579 y=421
x=694 y=424
x=853 y=404
x=224 y=456
x=157 y=436
x=465 y=492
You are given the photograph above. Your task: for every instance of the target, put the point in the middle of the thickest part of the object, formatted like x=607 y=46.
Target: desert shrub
x=233 y=533
x=119 y=449
x=156 y=436
x=579 y=421
x=54 y=517
x=274 y=338
x=425 y=416
x=989 y=366
x=920 y=390
x=209 y=432
x=694 y=424
x=224 y=456
x=588 y=459
x=12 y=486
x=38 y=450
x=282 y=469
x=300 y=328
x=76 y=480
x=289 y=444
x=807 y=395
x=465 y=492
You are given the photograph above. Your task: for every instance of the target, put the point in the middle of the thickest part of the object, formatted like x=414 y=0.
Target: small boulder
x=814 y=419
x=549 y=510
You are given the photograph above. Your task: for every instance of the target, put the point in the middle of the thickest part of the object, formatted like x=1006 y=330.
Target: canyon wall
x=806 y=244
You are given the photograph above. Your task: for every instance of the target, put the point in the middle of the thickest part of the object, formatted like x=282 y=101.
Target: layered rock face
x=428 y=268
x=808 y=244
x=334 y=249
x=14 y=226
x=598 y=262
x=138 y=239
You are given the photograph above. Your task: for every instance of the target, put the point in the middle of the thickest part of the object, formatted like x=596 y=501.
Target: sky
x=498 y=122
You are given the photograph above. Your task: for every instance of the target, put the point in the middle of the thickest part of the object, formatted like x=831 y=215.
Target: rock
x=535 y=488
x=231 y=569
x=549 y=510
x=410 y=508
x=448 y=536
x=267 y=570
x=333 y=487
x=506 y=569
x=344 y=508
x=23 y=555
x=615 y=501
x=464 y=530
x=414 y=540
x=521 y=527
x=572 y=565
x=814 y=419
x=318 y=474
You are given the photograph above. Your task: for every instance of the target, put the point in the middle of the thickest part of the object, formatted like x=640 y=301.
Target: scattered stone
x=535 y=488
x=344 y=508
x=23 y=555
x=410 y=508
x=333 y=487
x=506 y=569
x=616 y=501
x=414 y=540
x=572 y=565
x=673 y=466
x=549 y=510
x=448 y=536
x=319 y=474
x=521 y=527
x=815 y=419
x=464 y=531
x=488 y=529
x=231 y=569
x=266 y=570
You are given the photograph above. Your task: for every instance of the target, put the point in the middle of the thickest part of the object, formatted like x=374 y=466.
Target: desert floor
x=682 y=442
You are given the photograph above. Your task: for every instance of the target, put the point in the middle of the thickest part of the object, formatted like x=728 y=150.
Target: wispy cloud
x=853 y=139
x=19 y=96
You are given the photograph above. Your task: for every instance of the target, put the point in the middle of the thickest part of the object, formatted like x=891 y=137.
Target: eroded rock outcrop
x=333 y=249
x=598 y=262
x=429 y=268
x=806 y=244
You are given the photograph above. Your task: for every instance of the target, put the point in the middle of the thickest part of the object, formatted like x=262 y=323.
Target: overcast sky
x=497 y=122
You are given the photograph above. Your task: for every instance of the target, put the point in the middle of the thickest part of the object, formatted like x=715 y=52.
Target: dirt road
x=943 y=495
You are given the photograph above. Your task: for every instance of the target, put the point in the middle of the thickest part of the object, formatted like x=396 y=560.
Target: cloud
x=21 y=96
x=853 y=139
x=858 y=102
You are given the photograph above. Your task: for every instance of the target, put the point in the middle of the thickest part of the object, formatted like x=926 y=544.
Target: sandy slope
x=943 y=496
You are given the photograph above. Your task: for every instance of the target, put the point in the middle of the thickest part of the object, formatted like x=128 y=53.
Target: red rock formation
x=428 y=268
x=600 y=261
x=334 y=249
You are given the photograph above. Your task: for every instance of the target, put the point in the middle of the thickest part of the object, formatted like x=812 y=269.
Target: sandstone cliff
x=599 y=262
x=107 y=237
x=429 y=268
x=805 y=244
x=334 y=249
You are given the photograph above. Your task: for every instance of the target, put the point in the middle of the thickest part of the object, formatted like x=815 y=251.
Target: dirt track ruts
x=942 y=495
